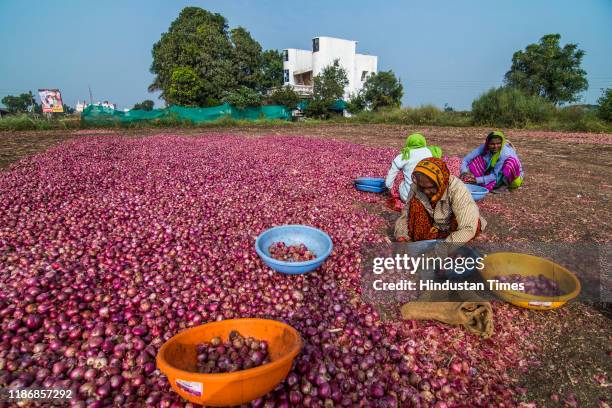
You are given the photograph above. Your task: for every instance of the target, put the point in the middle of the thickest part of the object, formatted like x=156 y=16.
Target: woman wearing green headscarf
x=415 y=150
x=493 y=164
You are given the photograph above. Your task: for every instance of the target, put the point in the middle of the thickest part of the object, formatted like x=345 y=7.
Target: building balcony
x=304 y=90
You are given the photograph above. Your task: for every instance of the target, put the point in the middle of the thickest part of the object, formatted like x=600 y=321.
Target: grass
x=572 y=119
x=423 y=115
x=28 y=122
x=569 y=119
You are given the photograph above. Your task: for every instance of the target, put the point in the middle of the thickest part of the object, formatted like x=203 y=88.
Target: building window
x=286 y=75
x=364 y=75
x=315 y=44
x=286 y=55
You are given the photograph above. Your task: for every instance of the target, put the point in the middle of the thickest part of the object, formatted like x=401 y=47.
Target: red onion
x=534 y=285
x=291 y=253
x=113 y=245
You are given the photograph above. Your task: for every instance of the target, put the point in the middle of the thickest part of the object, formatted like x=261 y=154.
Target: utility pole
x=33 y=104
x=90 y=96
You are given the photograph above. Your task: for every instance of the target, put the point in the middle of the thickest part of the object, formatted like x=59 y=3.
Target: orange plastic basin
x=508 y=263
x=177 y=359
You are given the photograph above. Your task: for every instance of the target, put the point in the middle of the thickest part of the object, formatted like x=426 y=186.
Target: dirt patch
x=574 y=359
x=14 y=147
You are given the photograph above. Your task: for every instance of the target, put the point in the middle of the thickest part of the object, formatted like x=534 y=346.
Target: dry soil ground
x=566 y=198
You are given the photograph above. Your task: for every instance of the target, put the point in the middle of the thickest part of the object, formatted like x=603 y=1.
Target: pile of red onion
x=534 y=285
x=109 y=246
x=238 y=353
x=291 y=253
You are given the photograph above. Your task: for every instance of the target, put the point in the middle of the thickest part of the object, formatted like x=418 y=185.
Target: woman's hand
x=468 y=177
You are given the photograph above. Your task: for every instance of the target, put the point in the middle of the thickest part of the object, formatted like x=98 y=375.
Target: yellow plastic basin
x=509 y=263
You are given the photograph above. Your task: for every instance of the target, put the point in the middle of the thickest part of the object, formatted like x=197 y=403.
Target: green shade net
x=339 y=105
x=98 y=115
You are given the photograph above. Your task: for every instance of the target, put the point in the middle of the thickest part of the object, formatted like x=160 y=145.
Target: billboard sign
x=51 y=100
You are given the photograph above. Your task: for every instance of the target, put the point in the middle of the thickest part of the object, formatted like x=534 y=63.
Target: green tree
x=547 y=70
x=68 y=110
x=199 y=49
x=383 y=90
x=19 y=104
x=271 y=70
x=285 y=96
x=196 y=51
x=146 y=105
x=330 y=83
x=328 y=88
x=242 y=97
x=247 y=58
x=185 y=87
x=604 y=109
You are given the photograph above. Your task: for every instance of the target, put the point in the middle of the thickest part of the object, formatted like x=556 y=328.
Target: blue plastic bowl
x=370 y=189
x=370 y=181
x=478 y=192
x=316 y=240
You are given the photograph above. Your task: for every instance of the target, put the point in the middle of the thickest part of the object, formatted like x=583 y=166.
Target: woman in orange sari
x=441 y=207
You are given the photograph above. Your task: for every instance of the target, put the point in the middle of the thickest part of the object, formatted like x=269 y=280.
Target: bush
x=318 y=108
x=356 y=103
x=604 y=110
x=509 y=107
x=576 y=118
x=286 y=96
x=242 y=97
x=423 y=115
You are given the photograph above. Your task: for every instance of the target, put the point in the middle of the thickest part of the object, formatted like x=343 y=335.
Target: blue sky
x=444 y=52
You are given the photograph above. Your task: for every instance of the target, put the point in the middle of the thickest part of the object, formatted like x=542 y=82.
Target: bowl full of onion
x=546 y=284
x=229 y=362
x=293 y=249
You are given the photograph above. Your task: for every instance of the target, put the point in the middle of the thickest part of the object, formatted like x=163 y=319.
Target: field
x=534 y=357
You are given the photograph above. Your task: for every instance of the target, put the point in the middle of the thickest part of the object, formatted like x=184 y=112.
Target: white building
x=301 y=66
x=80 y=107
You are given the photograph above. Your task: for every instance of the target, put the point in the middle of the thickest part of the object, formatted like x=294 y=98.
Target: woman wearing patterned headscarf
x=415 y=149
x=493 y=164
x=441 y=207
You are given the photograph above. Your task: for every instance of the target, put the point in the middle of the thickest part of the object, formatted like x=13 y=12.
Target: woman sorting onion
x=493 y=165
x=414 y=151
x=440 y=207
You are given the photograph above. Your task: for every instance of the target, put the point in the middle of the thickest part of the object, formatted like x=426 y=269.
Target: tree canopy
x=328 y=88
x=199 y=60
x=330 y=83
x=549 y=70
x=605 y=105
x=146 y=105
x=383 y=89
x=242 y=97
x=19 y=104
x=271 y=70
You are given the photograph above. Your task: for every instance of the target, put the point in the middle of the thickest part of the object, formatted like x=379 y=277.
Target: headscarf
x=435 y=169
x=417 y=141
x=495 y=157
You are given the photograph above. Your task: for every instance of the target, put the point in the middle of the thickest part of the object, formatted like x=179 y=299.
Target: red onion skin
x=97 y=253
